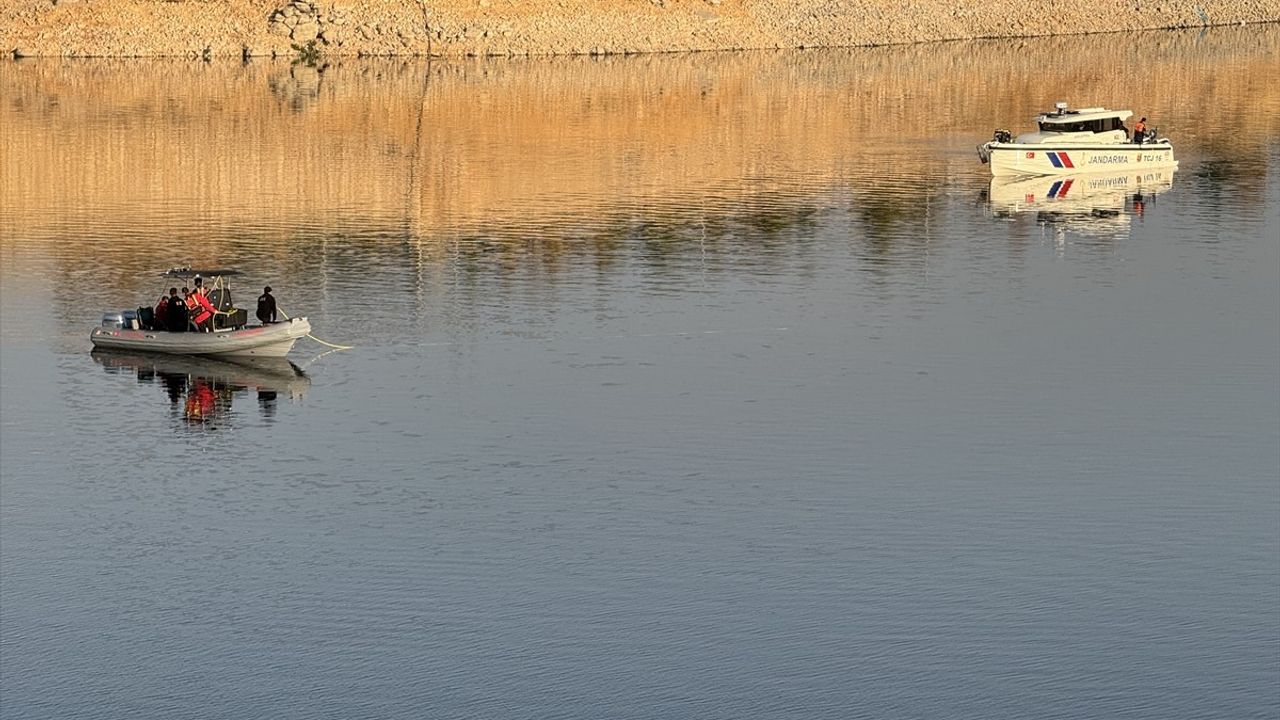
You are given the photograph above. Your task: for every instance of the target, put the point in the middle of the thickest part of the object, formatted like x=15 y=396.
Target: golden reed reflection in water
x=140 y=148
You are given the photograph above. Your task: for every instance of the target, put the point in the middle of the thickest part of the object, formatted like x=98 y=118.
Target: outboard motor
x=999 y=136
x=113 y=320
x=120 y=320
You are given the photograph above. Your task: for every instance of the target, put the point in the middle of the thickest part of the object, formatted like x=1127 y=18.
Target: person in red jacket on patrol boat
x=200 y=308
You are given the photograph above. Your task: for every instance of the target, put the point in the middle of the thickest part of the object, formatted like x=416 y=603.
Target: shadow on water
x=201 y=391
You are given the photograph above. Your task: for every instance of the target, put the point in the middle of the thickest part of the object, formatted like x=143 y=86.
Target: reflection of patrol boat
x=1081 y=194
x=231 y=335
x=1070 y=142
x=1092 y=204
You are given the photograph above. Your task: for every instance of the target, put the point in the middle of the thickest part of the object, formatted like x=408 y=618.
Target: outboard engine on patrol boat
x=120 y=320
x=1002 y=136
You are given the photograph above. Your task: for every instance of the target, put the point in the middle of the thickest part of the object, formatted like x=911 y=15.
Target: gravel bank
x=220 y=28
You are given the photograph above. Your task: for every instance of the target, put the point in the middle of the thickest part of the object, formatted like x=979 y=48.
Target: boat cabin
x=1091 y=125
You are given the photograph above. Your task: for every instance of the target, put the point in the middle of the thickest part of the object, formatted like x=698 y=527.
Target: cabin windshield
x=1096 y=126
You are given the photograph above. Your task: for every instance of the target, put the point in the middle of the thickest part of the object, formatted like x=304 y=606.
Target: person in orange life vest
x=200 y=308
x=1140 y=131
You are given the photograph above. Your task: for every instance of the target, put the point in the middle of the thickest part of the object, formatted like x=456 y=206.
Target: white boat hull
x=1008 y=159
x=274 y=340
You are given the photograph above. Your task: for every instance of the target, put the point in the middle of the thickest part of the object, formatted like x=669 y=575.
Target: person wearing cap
x=176 y=314
x=1140 y=131
x=266 y=306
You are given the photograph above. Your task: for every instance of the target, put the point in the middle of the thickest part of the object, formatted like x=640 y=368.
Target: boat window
x=1096 y=126
x=1064 y=127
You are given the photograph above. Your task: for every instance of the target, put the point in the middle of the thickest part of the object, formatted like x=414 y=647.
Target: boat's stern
x=999 y=136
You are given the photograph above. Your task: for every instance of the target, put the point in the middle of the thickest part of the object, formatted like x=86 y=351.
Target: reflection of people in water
x=201 y=391
x=202 y=402
x=267 y=403
x=174 y=386
x=1139 y=205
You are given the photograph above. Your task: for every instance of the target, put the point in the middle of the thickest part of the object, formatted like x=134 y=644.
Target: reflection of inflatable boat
x=266 y=375
x=1069 y=142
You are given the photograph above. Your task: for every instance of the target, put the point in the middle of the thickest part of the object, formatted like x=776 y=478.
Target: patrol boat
x=232 y=336
x=1070 y=142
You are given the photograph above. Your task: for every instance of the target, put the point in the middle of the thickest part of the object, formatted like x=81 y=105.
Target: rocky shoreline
x=457 y=28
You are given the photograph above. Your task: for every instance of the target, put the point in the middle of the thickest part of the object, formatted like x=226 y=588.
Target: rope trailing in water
x=329 y=344
x=313 y=337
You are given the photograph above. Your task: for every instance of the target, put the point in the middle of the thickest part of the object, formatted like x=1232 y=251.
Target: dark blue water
x=861 y=440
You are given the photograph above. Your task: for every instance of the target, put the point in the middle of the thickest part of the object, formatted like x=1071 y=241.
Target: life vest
x=1140 y=128
x=199 y=308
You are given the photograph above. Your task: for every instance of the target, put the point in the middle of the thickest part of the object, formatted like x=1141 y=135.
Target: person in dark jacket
x=176 y=316
x=266 y=306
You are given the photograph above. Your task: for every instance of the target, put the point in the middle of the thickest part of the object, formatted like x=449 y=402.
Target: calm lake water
x=715 y=386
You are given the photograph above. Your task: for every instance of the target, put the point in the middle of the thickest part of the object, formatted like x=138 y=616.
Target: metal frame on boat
x=1071 y=142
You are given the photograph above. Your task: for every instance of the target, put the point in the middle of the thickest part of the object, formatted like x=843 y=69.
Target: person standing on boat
x=1140 y=131
x=266 y=306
